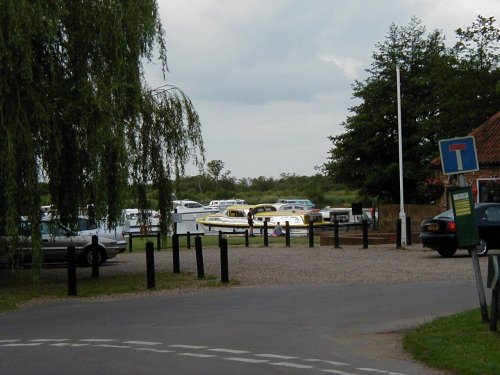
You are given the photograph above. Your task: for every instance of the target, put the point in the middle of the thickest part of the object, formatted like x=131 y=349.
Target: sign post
x=458 y=156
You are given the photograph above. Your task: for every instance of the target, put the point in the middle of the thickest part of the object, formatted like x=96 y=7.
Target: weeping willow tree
x=75 y=110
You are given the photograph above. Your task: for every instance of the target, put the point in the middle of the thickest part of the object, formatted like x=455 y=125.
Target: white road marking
x=198 y=355
x=24 y=344
x=327 y=362
x=367 y=369
x=97 y=340
x=48 y=340
x=68 y=344
x=338 y=372
x=155 y=350
x=276 y=356
x=113 y=346
x=147 y=343
x=232 y=351
x=247 y=360
x=187 y=346
x=9 y=341
x=287 y=364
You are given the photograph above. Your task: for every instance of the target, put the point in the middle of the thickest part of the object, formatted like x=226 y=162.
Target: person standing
x=250 y=222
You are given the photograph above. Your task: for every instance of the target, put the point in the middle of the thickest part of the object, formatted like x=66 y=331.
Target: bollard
x=188 y=239
x=95 y=256
x=398 y=234
x=336 y=244
x=287 y=234
x=199 y=257
x=494 y=310
x=224 y=267
x=365 y=233
x=158 y=240
x=130 y=242
x=408 y=230
x=150 y=264
x=220 y=237
x=247 y=243
x=71 y=271
x=311 y=234
x=175 y=253
x=266 y=234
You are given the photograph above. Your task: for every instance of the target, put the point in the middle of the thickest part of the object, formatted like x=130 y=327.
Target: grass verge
x=18 y=288
x=459 y=343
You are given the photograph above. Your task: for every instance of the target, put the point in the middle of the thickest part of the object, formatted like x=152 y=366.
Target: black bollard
x=336 y=244
x=224 y=267
x=188 y=239
x=398 y=234
x=158 y=241
x=130 y=236
x=247 y=242
x=199 y=257
x=150 y=265
x=175 y=253
x=408 y=230
x=220 y=237
x=95 y=256
x=71 y=271
x=287 y=234
x=365 y=233
x=311 y=234
x=266 y=234
x=494 y=311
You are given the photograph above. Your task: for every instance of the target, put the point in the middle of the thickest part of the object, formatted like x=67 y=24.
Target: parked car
x=439 y=233
x=55 y=241
x=88 y=227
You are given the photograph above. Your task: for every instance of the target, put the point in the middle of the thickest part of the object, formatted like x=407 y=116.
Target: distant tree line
x=445 y=93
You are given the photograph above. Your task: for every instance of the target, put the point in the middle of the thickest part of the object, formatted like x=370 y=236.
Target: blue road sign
x=458 y=155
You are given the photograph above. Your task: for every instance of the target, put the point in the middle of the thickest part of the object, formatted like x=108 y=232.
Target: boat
x=221 y=204
x=185 y=214
x=234 y=219
x=133 y=223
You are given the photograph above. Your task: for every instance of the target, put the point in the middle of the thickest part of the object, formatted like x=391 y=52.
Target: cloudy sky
x=271 y=79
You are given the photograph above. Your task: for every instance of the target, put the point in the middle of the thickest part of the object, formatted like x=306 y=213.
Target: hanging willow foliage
x=76 y=111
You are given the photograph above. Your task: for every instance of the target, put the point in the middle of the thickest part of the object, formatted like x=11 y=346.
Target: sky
x=272 y=79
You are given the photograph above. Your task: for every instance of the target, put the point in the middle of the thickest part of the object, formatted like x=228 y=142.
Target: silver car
x=56 y=238
x=88 y=227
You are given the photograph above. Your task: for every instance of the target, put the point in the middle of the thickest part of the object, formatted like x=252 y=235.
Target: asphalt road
x=315 y=329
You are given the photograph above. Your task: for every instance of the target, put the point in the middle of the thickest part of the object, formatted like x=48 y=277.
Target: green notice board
x=465 y=217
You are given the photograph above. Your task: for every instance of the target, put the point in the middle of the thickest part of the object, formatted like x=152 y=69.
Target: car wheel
x=447 y=252
x=482 y=247
x=86 y=257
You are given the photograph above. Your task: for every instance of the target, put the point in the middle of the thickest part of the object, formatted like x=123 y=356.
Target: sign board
x=494 y=272
x=458 y=155
x=465 y=216
x=357 y=208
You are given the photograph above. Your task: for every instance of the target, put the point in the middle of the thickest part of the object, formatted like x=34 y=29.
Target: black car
x=439 y=233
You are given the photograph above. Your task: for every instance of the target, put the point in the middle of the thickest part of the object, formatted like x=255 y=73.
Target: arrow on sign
x=458 y=148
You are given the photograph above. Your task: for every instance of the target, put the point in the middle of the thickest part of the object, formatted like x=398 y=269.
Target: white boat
x=234 y=219
x=221 y=204
x=133 y=223
x=185 y=214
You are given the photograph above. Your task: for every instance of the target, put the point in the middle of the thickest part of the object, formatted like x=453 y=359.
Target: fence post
x=130 y=241
x=365 y=233
x=266 y=234
x=311 y=234
x=247 y=243
x=158 y=241
x=408 y=230
x=188 y=239
x=150 y=265
x=95 y=255
x=199 y=257
x=335 y=232
x=287 y=234
x=71 y=271
x=175 y=253
x=224 y=266
x=398 y=234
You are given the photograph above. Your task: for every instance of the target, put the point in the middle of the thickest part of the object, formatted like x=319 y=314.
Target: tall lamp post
x=402 y=214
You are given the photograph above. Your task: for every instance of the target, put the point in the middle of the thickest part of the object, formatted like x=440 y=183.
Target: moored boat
x=234 y=219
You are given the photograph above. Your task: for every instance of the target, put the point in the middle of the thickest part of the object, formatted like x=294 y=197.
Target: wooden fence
x=389 y=214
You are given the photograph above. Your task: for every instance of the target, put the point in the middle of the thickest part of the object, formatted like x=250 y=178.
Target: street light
x=402 y=214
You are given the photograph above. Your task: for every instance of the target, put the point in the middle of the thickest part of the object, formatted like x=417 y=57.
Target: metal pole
x=402 y=214
x=199 y=257
x=150 y=265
